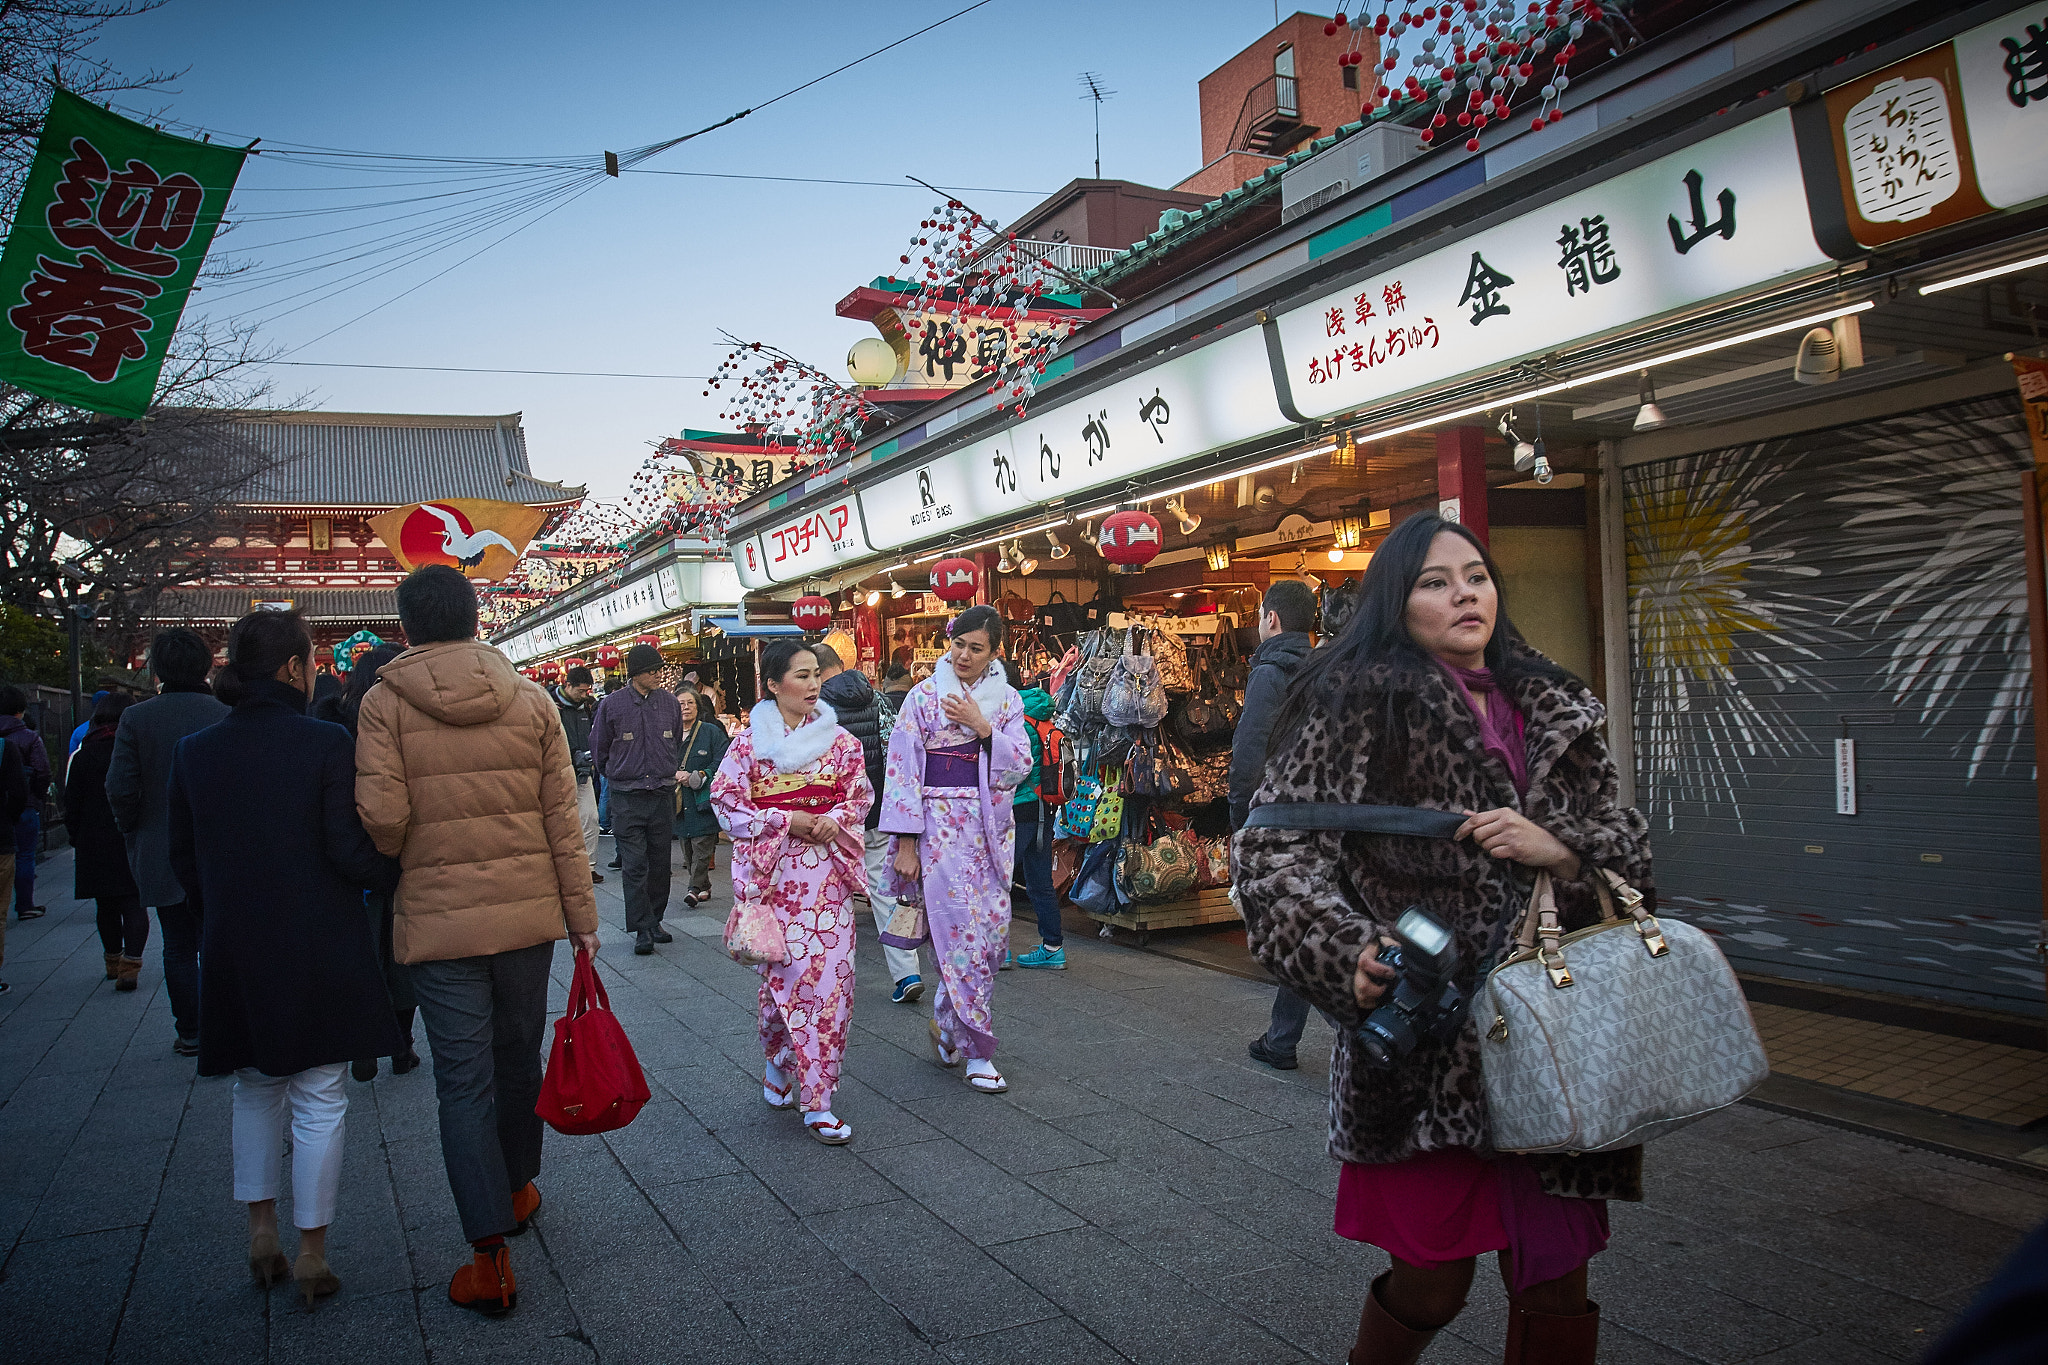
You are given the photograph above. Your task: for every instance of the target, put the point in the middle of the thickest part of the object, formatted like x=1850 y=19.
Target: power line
x=471 y=369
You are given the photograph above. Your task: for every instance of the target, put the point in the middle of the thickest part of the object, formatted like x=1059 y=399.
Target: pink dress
x=768 y=773
x=955 y=793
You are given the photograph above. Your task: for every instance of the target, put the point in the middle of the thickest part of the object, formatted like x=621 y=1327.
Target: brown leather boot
x=1550 y=1338
x=113 y=966
x=486 y=1285
x=1384 y=1339
x=129 y=972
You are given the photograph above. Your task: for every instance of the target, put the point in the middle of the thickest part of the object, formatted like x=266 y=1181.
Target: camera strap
x=1414 y=820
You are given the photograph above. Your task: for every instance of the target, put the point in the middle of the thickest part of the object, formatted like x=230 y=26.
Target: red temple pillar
x=1461 y=477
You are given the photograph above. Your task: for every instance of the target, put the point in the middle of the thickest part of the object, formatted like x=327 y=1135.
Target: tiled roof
x=315 y=604
x=381 y=459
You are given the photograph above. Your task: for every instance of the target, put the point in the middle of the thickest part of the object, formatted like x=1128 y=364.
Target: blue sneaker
x=1044 y=956
x=907 y=991
x=1009 y=961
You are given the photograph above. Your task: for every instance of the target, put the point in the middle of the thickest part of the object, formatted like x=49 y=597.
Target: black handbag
x=1156 y=770
x=1059 y=617
x=1207 y=719
x=1095 y=615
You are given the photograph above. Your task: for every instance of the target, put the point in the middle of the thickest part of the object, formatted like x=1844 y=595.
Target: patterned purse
x=1171 y=651
x=1109 y=808
x=1163 y=870
x=753 y=936
x=1643 y=1030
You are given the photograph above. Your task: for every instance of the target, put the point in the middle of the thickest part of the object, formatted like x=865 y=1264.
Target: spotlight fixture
x=895 y=588
x=874 y=596
x=1025 y=566
x=1336 y=554
x=1059 y=551
x=1088 y=536
x=1003 y=562
x=1819 y=359
x=1219 y=555
x=1540 y=463
x=1179 y=507
x=1649 y=416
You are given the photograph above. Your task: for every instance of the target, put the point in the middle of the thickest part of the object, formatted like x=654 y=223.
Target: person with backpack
x=1038 y=796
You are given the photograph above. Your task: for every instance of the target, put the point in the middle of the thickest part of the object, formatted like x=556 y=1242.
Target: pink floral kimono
x=770 y=771
x=952 y=791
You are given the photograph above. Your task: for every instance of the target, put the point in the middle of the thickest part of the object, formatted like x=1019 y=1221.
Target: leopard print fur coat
x=1314 y=899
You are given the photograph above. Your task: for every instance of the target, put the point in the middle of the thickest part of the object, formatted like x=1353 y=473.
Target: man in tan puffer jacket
x=464 y=775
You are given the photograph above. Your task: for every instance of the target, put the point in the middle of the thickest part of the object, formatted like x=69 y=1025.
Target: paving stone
x=61 y=1300
x=337 y=1329
x=1056 y=1341
x=980 y=1201
x=664 y=1144
x=993 y=1127
x=743 y=1237
x=944 y=1285
x=841 y=1321
x=1173 y=1232
x=1143 y=1312
x=96 y=1189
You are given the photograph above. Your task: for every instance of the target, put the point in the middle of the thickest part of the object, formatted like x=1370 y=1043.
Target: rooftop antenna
x=1092 y=88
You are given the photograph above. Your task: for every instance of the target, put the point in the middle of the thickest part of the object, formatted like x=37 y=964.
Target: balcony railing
x=1270 y=117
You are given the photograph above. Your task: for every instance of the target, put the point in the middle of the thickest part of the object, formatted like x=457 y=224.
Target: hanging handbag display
x=1212 y=862
x=1094 y=889
x=1207 y=718
x=1079 y=812
x=1210 y=777
x=1609 y=1036
x=1175 y=673
x=1059 y=617
x=593 y=1083
x=1109 y=807
x=1162 y=868
x=1134 y=696
x=1098 y=666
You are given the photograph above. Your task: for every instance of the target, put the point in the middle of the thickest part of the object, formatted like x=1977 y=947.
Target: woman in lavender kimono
x=793 y=793
x=957 y=753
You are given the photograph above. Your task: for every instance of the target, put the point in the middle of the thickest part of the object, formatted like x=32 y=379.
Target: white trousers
x=586 y=811
x=901 y=962
x=318 y=1101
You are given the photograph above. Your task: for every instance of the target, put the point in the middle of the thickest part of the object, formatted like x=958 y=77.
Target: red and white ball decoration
x=811 y=612
x=956 y=580
x=810 y=414
x=1129 y=540
x=1472 y=59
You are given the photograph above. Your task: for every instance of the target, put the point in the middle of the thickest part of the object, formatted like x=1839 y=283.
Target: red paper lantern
x=654 y=640
x=956 y=580
x=1130 y=540
x=811 y=612
x=608 y=657
x=575 y=663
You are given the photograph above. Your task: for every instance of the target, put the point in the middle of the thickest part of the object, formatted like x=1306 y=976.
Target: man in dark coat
x=99 y=864
x=1286 y=615
x=859 y=708
x=573 y=705
x=27 y=827
x=635 y=742
x=138 y=793
x=13 y=800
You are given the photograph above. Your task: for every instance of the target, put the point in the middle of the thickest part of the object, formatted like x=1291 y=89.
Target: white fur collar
x=989 y=688
x=792 y=750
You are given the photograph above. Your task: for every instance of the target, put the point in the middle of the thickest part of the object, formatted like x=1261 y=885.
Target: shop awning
x=732 y=625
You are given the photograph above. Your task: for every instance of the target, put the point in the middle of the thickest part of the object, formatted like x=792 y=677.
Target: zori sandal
x=943 y=1054
x=828 y=1128
x=988 y=1082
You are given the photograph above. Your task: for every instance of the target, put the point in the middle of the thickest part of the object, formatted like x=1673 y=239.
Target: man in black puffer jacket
x=1286 y=615
x=859 y=708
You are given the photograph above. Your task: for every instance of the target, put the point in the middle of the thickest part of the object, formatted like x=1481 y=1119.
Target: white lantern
x=873 y=362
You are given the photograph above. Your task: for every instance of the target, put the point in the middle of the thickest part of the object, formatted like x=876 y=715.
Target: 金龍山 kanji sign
x=110 y=233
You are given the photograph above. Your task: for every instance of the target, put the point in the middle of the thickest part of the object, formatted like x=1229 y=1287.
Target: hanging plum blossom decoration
x=800 y=409
x=1473 y=59
x=956 y=259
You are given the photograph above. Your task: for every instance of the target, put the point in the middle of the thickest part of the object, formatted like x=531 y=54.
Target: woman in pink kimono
x=793 y=793
x=957 y=753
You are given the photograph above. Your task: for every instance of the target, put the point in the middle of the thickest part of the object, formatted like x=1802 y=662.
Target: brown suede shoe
x=113 y=966
x=486 y=1284
x=130 y=972
x=525 y=1202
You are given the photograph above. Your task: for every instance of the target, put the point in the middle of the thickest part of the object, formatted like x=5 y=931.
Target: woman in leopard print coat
x=1430 y=698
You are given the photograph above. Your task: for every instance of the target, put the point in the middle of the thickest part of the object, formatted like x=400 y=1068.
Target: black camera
x=1424 y=1002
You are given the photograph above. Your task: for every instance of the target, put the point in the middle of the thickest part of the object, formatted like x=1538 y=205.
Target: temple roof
x=220 y=605
x=383 y=460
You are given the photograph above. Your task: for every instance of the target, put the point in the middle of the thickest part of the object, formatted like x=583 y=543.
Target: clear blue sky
x=641 y=273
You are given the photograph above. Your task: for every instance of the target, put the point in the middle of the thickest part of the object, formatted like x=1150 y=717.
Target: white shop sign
x=957 y=489
x=811 y=543
x=1724 y=215
x=2003 y=69
x=629 y=605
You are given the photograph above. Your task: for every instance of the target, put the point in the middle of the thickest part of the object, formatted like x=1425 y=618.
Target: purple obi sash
x=957 y=765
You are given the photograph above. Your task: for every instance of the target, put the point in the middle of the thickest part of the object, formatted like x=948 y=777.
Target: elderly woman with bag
x=792 y=792
x=956 y=756
x=1430 y=698
x=702 y=746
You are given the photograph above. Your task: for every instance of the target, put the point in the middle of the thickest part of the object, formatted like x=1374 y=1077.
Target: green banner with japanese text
x=108 y=237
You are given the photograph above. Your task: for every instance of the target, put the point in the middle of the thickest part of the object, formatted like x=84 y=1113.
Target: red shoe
x=486 y=1284
x=524 y=1203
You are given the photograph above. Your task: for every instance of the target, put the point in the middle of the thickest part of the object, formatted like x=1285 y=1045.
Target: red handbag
x=593 y=1082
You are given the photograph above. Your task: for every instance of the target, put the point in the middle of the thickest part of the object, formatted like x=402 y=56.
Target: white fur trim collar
x=989 y=688
x=792 y=750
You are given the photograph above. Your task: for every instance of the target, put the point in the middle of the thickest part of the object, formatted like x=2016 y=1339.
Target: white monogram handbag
x=1609 y=1036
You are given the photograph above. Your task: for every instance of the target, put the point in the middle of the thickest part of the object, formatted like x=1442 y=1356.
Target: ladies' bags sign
x=110 y=233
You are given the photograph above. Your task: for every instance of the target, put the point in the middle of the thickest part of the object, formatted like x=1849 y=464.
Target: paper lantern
x=1129 y=540
x=575 y=663
x=956 y=580
x=811 y=612
x=654 y=640
x=608 y=657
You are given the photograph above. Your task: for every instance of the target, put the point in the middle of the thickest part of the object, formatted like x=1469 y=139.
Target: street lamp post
x=75 y=617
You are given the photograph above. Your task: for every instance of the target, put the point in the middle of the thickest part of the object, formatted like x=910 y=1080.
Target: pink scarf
x=1500 y=724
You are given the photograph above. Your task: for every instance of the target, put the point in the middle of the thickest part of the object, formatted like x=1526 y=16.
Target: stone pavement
x=1143 y=1193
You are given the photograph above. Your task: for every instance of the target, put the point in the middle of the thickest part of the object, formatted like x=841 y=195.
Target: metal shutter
x=1866 y=581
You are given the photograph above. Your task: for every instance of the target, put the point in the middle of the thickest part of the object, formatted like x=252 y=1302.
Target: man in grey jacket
x=636 y=743
x=138 y=790
x=1286 y=615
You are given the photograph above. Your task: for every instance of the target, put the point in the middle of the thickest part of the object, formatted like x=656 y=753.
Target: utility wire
x=469 y=369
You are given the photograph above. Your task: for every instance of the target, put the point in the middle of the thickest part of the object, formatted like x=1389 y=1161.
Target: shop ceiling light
x=1178 y=505
x=1991 y=272
x=1218 y=555
x=1336 y=555
x=961 y=550
x=1350 y=532
x=1819 y=359
x=1027 y=567
x=895 y=588
x=1058 y=551
x=875 y=597
x=1003 y=562
x=1648 y=416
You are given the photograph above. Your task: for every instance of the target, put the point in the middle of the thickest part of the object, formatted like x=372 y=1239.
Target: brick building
x=1282 y=91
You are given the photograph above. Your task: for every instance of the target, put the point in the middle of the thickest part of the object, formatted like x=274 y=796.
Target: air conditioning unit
x=1360 y=159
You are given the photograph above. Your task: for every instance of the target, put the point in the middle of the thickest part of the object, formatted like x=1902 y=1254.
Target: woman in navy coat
x=264 y=837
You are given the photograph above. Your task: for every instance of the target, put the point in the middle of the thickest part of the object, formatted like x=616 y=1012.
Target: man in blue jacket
x=1287 y=614
x=636 y=743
